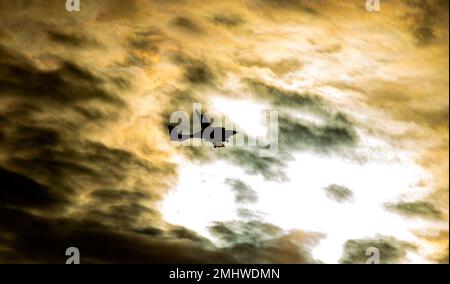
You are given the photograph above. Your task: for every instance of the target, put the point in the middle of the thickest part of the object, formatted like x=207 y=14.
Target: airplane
x=215 y=135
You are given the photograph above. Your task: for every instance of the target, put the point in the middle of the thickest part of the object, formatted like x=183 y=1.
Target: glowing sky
x=362 y=103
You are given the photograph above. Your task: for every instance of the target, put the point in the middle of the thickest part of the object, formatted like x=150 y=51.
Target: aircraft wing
x=203 y=120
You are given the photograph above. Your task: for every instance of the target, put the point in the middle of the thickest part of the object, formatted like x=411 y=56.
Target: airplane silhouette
x=215 y=135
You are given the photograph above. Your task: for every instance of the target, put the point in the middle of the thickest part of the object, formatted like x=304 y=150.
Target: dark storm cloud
x=186 y=24
x=135 y=60
x=112 y=195
x=44 y=240
x=338 y=193
x=50 y=164
x=391 y=250
x=249 y=159
x=424 y=33
x=247 y=214
x=123 y=209
x=427 y=17
x=61 y=187
x=243 y=192
x=68 y=84
x=105 y=229
x=305 y=6
x=124 y=216
x=280 y=68
x=25 y=137
x=434 y=118
x=143 y=44
x=197 y=72
x=182 y=233
x=146 y=40
x=72 y=39
x=50 y=147
x=21 y=191
x=143 y=47
x=182 y=100
x=95 y=163
x=199 y=154
x=94 y=113
x=227 y=19
x=403 y=104
x=415 y=209
x=114 y=10
x=259 y=242
x=281 y=98
x=31 y=92
x=297 y=135
x=237 y=232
